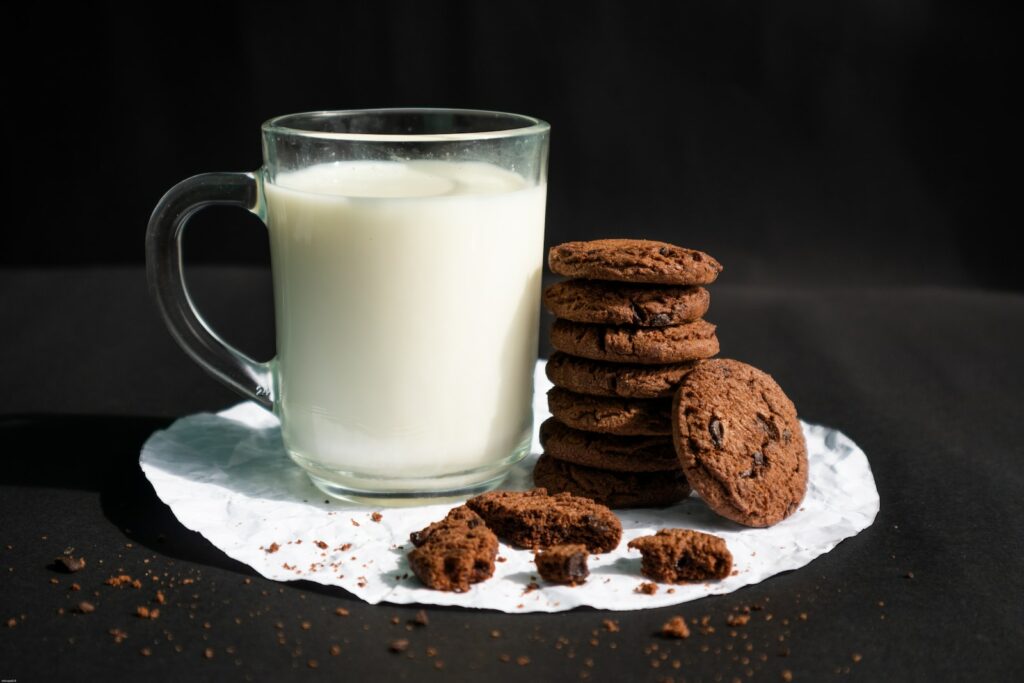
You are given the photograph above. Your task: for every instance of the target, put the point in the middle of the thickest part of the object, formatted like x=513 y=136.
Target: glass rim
x=531 y=125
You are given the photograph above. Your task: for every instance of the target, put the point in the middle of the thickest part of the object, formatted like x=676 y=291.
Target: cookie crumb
x=495 y=633
x=82 y=608
x=737 y=619
x=647 y=588
x=145 y=652
x=400 y=645
x=320 y=544
x=208 y=653
x=119 y=580
x=272 y=548
x=70 y=564
x=312 y=664
x=341 y=612
x=675 y=628
x=522 y=660
x=856 y=656
x=787 y=675
x=421 y=618
x=610 y=626
x=376 y=516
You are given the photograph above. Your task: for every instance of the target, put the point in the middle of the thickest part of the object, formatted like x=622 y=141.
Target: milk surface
x=407 y=300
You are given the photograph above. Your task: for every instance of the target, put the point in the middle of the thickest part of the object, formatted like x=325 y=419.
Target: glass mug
x=406 y=249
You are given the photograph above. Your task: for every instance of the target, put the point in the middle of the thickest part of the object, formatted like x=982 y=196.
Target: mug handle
x=248 y=377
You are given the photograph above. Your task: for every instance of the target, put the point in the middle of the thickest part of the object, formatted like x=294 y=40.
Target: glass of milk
x=406 y=247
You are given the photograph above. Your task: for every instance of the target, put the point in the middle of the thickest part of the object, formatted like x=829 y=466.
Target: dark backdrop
x=799 y=142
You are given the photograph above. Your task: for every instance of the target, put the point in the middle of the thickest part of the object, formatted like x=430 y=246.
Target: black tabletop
x=927 y=381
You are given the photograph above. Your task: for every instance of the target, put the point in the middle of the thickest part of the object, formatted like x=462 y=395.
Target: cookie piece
x=455 y=552
x=563 y=564
x=626 y=260
x=534 y=519
x=615 y=303
x=607 y=415
x=740 y=443
x=644 y=345
x=608 y=451
x=614 y=489
x=597 y=378
x=682 y=555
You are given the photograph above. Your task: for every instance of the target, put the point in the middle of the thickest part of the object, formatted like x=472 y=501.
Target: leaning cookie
x=644 y=345
x=616 y=303
x=627 y=260
x=740 y=442
x=614 y=489
x=608 y=415
x=626 y=380
x=608 y=451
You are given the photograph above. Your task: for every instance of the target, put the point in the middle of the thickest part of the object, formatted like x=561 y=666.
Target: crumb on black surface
x=675 y=628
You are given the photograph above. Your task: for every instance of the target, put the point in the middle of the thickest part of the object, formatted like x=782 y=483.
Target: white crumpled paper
x=227 y=476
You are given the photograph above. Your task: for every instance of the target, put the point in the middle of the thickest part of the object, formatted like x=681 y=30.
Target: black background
x=849 y=163
x=798 y=142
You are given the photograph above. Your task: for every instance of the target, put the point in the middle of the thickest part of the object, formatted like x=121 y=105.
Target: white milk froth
x=407 y=300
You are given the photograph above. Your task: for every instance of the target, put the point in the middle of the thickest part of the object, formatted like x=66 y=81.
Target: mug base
x=409 y=491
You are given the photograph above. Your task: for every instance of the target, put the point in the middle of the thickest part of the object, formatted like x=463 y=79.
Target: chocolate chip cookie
x=614 y=489
x=455 y=552
x=682 y=555
x=644 y=345
x=597 y=378
x=615 y=303
x=608 y=451
x=534 y=519
x=740 y=443
x=628 y=260
x=637 y=416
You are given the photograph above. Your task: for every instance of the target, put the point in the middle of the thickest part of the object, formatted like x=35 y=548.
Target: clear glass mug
x=406 y=249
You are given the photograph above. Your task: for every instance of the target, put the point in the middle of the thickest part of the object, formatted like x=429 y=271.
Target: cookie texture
x=456 y=517
x=565 y=564
x=608 y=451
x=644 y=345
x=615 y=303
x=740 y=443
x=614 y=489
x=682 y=555
x=611 y=415
x=598 y=378
x=534 y=519
x=627 y=260
x=454 y=553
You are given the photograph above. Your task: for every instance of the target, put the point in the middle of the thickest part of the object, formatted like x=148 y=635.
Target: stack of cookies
x=629 y=328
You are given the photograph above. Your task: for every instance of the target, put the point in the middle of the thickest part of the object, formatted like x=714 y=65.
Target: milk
x=407 y=298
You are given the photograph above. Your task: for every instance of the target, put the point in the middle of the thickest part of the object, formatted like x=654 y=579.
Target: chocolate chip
x=577 y=568
x=717 y=432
